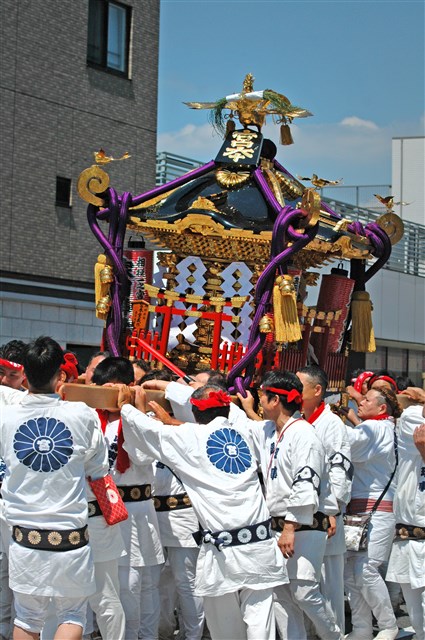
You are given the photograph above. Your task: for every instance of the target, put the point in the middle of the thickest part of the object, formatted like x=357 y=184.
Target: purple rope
x=356 y=227
x=382 y=248
x=177 y=182
x=265 y=189
x=113 y=247
x=323 y=205
x=265 y=286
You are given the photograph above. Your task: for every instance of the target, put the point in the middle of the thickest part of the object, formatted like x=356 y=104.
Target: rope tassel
x=362 y=335
x=287 y=326
x=103 y=277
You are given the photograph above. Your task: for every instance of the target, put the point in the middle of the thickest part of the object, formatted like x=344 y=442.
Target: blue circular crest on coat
x=2 y=469
x=228 y=451
x=43 y=444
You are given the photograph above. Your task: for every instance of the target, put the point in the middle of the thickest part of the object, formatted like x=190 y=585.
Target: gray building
x=76 y=76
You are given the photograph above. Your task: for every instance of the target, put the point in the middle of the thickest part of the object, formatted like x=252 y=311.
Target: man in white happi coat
x=374 y=457
x=8 y=395
x=332 y=433
x=293 y=466
x=140 y=569
x=177 y=522
x=49 y=447
x=239 y=562
x=407 y=560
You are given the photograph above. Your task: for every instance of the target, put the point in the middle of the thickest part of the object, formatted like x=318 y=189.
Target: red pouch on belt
x=109 y=499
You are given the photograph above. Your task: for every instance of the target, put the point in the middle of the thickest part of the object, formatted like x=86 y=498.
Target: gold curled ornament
x=393 y=226
x=91 y=181
x=311 y=204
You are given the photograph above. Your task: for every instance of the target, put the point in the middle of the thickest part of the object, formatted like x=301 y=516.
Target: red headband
x=392 y=382
x=215 y=399
x=363 y=377
x=292 y=396
x=8 y=364
x=70 y=365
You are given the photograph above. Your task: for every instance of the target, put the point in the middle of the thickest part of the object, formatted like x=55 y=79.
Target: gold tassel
x=230 y=127
x=103 y=276
x=285 y=135
x=362 y=335
x=287 y=326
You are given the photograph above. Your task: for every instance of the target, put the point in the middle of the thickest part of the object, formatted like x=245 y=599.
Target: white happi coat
x=225 y=493
x=292 y=469
x=407 y=560
x=176 y=527
x=373 y=458
x=140 y=531
x=49 y=447
x=179 y=396
x=332 y=433
x=7 y=396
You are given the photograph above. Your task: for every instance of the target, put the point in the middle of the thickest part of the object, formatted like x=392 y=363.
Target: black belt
x=320 y=523
x=409 y=532
x=94 y=509
x=235 y=537
x=135 y=493
x=172 y=503
x=51 y=539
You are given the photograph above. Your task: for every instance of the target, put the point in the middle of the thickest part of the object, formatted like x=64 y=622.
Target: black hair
x=43 y=358
x=143 y=365
x=158 y=374
x=216 y=377
x=283 y=380
x=113 y=369
x=14 y=351
x=97 y=354
x=204 y=417
x=317 y=376
x=403 y=382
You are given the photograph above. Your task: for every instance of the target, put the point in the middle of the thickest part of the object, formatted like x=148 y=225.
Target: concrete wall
x=25 y=317
x=55 y=111
x=408 y=185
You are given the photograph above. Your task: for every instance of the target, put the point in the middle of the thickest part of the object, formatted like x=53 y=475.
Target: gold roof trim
x=200 y=235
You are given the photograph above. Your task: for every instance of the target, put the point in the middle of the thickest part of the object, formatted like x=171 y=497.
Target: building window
x=63 y=192
x=109 y=36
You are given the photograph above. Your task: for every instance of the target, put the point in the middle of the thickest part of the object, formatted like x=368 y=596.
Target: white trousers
x=139 y=588
x=246 y=614
x=415 y=603
x=367 y=593
x=6 y=597
x=332 y=586
x=182 y=561
x=106 y=602
x=303 y=595
x=296 y=599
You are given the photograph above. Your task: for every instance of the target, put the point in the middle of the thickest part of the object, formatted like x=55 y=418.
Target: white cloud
x=357 y=150
x=354 y=121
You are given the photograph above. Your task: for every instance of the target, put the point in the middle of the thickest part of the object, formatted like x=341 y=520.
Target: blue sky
x=357 y=65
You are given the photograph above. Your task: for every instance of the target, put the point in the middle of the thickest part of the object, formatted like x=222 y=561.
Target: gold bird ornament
x=389 y=203
x=320 y=182
x=100 y=157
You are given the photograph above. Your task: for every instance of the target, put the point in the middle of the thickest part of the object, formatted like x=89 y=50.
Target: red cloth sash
x=316 y=413
x=363 y=505
x=122 y=462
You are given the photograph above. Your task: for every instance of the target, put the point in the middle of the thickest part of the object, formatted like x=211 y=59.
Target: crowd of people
x=236 y=510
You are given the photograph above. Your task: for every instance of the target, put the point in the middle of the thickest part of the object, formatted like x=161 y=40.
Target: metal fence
x=170 y=166
x=359 y=196
x=352 y=202
x=408 y=255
